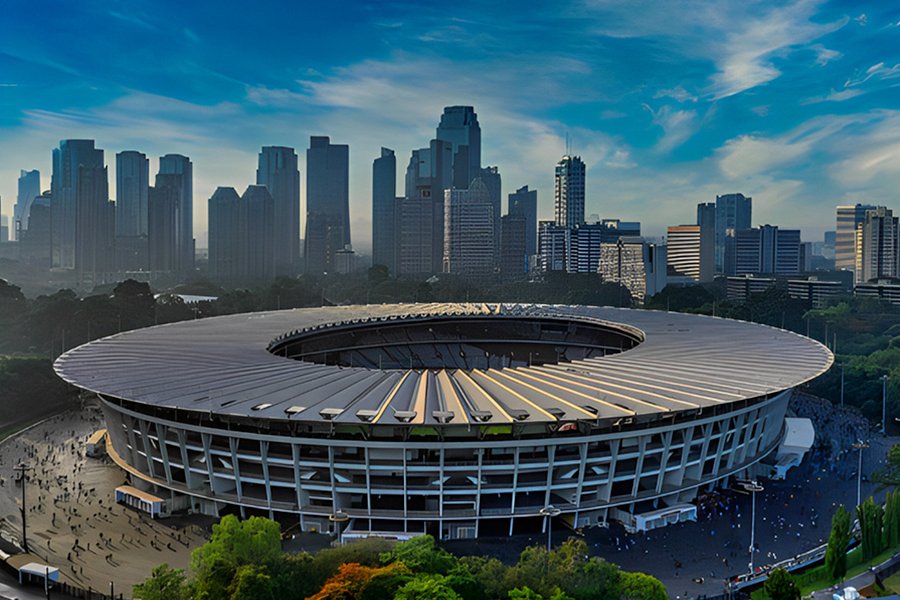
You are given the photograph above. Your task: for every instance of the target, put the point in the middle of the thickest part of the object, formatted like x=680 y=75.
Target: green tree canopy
x=165 y=583
x=836 y=551
x=781 y=586
x=640 y=586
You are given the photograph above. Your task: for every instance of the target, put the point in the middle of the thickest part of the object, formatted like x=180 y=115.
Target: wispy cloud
x=677 y=126
x=747 y=53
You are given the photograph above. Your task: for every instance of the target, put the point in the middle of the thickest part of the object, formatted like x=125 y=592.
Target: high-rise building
x=78 y=187
x=877 y=245
x=849 y=219
x=132 y=211
x=327 y=203
x=766 y=249
x=706 y=219
x=176 y=164
x=553 y=244
x=258 y=218
x=162 y=243
x=35 y=242
x=428 y=174
x=490 y=176
x=225 y=240
x=636 y=264
x=469 y=231
x=577 y=249
x=132 y=190
x=384 y=202
x=513 y=243
x=279 y=173
x=524 y=203
x=569 y=194
x=690 y=254
x=459 y=126
x=29 y=189
x=733 y=211
x=415 y=242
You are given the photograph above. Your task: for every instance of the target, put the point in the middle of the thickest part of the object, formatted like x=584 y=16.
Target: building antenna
x=568 y=148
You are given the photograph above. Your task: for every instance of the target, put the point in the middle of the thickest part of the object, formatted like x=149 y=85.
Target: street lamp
x=23 y=477
x=549 y=512
x=884 y=382
x=752 y=487
x=842 y=385
x=859 y=445
x=337 y=518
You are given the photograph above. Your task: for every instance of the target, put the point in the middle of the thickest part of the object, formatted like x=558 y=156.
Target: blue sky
x=796 y=104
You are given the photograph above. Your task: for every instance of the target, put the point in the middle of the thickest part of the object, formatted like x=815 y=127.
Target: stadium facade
x=455 y=419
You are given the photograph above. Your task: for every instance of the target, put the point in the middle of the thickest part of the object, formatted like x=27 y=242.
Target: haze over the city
x=794 y=104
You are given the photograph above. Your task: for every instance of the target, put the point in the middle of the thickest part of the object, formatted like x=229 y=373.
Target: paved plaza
x=73 y=520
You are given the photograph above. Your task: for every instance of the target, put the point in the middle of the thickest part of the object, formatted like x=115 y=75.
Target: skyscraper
x=733 y=211
x=132 y=210
x=849 y=219
x=73 y=160
x=490 y=176
x=524 y=203
x=162 y=219
x=877 y=245
x=29 y=189
x=327 y=202
x=176 y=164
x=428 y=174
x=224 y=234
x=278 y=172
x=513 y=257
x=258 y=217
x=384 y=199
x=35 y=247
x=469 y=231
x=459 y=126
x=569 y=194
x=132 y=190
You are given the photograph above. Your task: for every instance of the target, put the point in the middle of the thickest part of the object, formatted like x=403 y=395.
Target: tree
x=352 y=580
x=871 y=526
x=427 y=586
x=421 y=556
x=524 y=593
x=234 y=543
x=164 y=583
x=836 y=551
x=640 y=586
x=781 y=586
x=251 y=582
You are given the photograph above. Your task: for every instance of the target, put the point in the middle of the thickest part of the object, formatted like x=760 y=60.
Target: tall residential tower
x=279 y=173
x=569 y=196
x=327 y=203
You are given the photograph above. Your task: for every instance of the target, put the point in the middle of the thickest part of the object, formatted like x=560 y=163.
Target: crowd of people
x=72 y=519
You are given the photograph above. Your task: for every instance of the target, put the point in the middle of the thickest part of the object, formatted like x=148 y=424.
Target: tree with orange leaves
x=352 y=580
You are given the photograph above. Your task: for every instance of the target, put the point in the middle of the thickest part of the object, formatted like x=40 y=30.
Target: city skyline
x=773 y=98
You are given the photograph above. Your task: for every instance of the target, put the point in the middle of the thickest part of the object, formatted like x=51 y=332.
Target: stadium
x=458 y=420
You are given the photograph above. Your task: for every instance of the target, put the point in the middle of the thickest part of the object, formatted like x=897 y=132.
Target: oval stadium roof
x=222 y=365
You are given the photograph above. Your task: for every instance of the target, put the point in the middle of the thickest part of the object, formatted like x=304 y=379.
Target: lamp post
x=23 y=477
x=549 y=512
x=337 y=518
x=859 y=445
x=842 y=385
x=752 y=487
x=884 y=382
